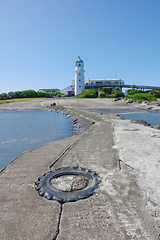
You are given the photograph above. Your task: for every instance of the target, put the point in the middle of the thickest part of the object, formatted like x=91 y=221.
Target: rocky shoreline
x=146 y=105
x=80 y=125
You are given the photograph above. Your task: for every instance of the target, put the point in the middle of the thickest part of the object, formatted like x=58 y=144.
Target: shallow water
x=152 y=118
x=22 y=130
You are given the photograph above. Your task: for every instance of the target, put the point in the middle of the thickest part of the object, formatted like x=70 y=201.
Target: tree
x=3 y=96
x=116 y=89
x=133 y=86
x=107 y=90
x=11 y=95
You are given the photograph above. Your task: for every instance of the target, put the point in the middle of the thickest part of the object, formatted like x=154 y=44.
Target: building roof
x=103 y=80
x=50 y=89
x=79 y=59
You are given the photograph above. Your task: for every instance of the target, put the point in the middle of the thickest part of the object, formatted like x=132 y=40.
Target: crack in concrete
x=127 y=165
x=75 y=158
x=59 y=221
x=119 y=162
x=63 y=153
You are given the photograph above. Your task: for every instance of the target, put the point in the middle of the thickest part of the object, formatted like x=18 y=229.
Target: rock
x=157 y=126
x=116 y=116
x=149 y=108
x=140 y=121
x=139 y=102
x=117 y=99
x=68 y=183
x=152 y=103
x=53 y=104
x=130 y=101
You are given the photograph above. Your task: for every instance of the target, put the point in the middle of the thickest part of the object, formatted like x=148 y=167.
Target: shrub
x=11 y=95
x=41 y=94
x=143 y=97
x=116 y=89
x=78 y=96
x=101 y=94
x=29 y=94
x=107 y=90
x=118 y=94
x=133 y=86
x=156 y=93
x=87 y=93
x=3 y=96
x=64 y=95
x=133 y=91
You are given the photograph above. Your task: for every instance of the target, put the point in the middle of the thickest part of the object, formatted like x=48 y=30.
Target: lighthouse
x=79 y=76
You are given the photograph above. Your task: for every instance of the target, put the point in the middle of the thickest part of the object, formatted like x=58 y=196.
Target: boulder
x=130 y=101
x=140 y=121
x=157 y=126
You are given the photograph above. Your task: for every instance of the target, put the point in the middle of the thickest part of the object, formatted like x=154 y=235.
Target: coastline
x=148 y=106
x=124 y=154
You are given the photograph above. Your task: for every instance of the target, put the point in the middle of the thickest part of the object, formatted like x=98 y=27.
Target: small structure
x=54 y=90
x=70 y=93
x=79 y=76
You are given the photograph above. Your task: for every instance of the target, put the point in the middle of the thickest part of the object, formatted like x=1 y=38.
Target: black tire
x=44 y=188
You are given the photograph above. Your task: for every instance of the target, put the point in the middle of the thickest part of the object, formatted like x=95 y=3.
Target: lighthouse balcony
x=79 y=69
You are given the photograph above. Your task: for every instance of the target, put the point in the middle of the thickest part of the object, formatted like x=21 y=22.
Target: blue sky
x=41 y=40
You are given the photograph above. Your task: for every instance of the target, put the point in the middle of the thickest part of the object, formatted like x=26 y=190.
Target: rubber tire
x=44 y=188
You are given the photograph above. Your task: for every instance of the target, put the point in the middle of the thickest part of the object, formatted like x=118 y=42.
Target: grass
x=17 y=100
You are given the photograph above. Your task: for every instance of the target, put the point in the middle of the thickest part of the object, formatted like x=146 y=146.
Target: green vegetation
x=156 y=93
x=29 y=94
x=16 y=100
x=134 y=86
x=116 y=92
x=140 y=95
x=87 y=93
x=102 y=93
x=110 y=92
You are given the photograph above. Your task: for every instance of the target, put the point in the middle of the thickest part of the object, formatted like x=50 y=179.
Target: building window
x=79 y=73
x=79 y=80
x=79 y=86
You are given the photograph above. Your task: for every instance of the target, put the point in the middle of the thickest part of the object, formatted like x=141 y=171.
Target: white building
x=79 y=76
x=89 y=83
x=53 y=90
x=97 y=83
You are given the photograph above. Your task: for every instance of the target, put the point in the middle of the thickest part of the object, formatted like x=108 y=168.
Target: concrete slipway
x=125 y=155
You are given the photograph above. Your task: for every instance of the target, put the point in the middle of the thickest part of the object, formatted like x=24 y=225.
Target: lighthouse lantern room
x=79 y=76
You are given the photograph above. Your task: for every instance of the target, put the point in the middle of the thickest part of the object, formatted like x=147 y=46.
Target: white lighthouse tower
x=79 y=76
